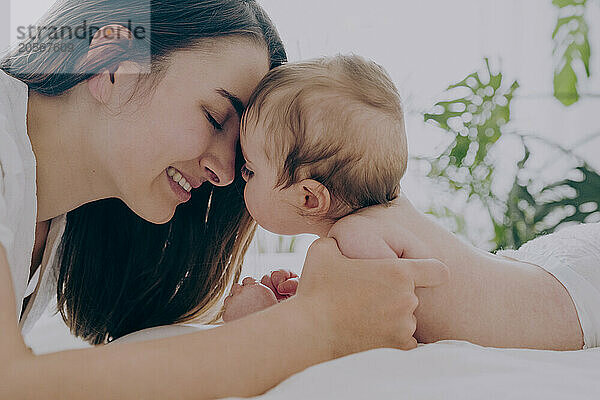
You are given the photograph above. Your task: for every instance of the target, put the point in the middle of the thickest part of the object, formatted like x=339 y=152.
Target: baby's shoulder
x=352 y=222
x=359 y=236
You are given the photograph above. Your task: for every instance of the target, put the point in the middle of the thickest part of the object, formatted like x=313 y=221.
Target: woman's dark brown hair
x=118 y=273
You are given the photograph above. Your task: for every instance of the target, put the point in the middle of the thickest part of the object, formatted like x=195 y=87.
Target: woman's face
x=187 y=126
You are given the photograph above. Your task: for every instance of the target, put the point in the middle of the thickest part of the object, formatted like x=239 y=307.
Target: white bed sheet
x=449 y=370
x=446 y=370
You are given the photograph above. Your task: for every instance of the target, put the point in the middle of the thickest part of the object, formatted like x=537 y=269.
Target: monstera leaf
x=475 y=121
x=578 y=198
x=571 y=46
x=528 y=215
x=517 y=224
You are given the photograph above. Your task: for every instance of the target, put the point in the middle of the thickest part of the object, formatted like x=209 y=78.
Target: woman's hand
x=364 y=304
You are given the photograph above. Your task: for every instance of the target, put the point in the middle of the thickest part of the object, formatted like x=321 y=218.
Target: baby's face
x=270 y=207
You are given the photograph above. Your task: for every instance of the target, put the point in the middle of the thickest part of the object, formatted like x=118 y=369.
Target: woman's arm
x=337 y=311
x=11 y=343
x=243 y=358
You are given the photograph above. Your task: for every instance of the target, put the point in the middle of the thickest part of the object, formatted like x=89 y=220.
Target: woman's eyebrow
x=235 y=101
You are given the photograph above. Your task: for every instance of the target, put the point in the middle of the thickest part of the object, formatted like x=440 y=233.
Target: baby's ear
x=313 y=197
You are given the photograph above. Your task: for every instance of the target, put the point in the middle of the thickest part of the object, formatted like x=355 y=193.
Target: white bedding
x=448 y=370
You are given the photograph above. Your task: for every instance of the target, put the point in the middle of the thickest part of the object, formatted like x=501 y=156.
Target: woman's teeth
x=178 y=178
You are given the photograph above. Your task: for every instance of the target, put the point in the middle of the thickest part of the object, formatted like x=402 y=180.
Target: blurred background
x=501 y=103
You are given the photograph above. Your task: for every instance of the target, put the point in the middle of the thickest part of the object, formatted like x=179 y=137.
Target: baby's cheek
x=253 y=204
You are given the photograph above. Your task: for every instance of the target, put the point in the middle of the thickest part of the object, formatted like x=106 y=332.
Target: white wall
x=427 y=44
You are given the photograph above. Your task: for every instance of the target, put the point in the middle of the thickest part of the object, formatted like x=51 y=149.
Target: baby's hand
x=247 y=298
x=282 y=282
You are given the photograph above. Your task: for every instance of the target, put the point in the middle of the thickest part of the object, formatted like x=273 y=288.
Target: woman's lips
x=193 y=181
x=180 y=192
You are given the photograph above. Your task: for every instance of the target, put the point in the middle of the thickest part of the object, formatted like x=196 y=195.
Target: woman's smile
x=182 y=184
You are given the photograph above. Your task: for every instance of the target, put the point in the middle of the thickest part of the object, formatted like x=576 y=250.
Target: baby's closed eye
x=247 y=173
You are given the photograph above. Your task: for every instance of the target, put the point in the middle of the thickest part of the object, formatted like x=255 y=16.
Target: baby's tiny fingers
x=266 y=280
x=248 y=280
x=236 y=288
x=288 y=287
x=280 y=276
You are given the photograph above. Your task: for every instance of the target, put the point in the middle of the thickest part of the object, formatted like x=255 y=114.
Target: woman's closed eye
x=246 y=173
x=212 y=120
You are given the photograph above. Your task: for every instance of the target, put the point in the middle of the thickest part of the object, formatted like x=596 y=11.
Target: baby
x=321 y=139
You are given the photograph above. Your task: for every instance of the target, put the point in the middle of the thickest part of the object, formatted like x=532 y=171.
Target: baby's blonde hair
x=337 y=120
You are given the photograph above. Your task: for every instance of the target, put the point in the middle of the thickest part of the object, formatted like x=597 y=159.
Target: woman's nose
x=216 y=174
x=219 y=167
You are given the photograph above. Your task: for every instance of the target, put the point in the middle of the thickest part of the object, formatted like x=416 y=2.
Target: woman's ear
x=111 y=42
x=99 y=86
x=313 y=197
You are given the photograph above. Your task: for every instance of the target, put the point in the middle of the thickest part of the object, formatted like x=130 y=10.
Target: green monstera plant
x=571 y=49
x=476 y=119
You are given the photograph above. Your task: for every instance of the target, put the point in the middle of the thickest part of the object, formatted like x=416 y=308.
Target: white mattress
x=445 y=370
x=449 y=370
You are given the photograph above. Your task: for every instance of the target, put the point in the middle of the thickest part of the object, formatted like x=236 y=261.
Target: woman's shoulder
x=15 y=147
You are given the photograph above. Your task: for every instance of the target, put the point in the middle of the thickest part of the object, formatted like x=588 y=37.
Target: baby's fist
x=282 y=282
x=247 y=298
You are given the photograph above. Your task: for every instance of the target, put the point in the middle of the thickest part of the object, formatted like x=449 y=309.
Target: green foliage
x=580 y=198
x=268 y=242
x=571 y=46
x=476 y=122
x=528 y=215
x=517 y=224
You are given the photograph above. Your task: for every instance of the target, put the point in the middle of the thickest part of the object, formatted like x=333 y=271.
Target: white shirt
x=18 y=204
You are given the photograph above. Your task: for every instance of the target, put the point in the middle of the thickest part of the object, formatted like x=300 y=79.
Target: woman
x=94 y=126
